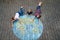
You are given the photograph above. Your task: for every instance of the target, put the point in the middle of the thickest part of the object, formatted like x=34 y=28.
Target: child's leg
x=18 y=14
x=21 y=11
x=38 y=8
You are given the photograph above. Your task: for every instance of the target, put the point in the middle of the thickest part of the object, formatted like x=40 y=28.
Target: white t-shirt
x=16 y=16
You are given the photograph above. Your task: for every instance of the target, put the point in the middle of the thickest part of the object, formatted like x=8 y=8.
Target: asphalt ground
x=50 y=17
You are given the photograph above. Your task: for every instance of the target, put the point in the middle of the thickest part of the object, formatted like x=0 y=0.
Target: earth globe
x=28 y=28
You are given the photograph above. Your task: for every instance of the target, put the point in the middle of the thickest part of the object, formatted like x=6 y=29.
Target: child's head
x=29 y=11
x=37 y=15
x=12 y=19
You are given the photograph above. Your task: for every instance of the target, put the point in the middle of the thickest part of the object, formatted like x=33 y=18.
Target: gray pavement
x=50 y=17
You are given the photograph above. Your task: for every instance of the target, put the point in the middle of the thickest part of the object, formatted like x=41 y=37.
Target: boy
x=18 y=14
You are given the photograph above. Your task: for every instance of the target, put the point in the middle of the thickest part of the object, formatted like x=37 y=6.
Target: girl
x=38 y=10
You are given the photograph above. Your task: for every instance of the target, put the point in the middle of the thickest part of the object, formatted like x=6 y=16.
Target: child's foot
x=21 y=6
x=40 y=3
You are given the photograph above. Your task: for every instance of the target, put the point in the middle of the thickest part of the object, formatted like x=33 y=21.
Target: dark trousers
x=38 y=10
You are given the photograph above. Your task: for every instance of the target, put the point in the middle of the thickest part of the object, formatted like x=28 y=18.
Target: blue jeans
x=21 y=12
x=38 y=7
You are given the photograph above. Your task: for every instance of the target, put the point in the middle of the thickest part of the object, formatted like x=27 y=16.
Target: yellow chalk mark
x=22 y=30
x=35 y=30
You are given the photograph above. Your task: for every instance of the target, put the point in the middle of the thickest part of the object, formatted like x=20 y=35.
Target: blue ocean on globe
x=28 y=28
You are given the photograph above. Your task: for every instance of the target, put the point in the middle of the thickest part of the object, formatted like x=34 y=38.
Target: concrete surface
x=50 y=17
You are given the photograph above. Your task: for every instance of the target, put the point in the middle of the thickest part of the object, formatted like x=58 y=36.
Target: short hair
x=29 y=12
